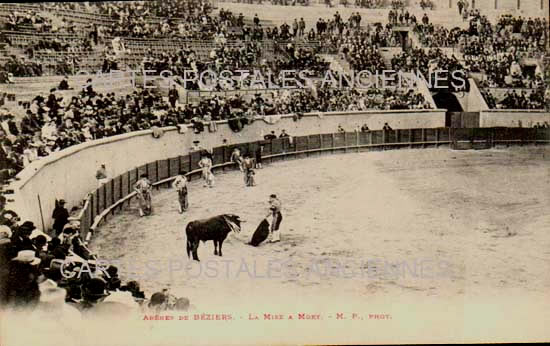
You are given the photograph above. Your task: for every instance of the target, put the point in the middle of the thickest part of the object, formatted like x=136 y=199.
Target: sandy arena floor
x=416 y=223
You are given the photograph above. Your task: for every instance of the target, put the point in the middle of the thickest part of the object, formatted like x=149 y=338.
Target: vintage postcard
x=274 y=172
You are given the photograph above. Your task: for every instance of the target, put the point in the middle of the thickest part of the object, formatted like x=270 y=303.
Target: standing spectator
x=60 y=215
x=301 y=27
x=465 y=10
x=180 y=184
x=173 y=96
x=295 y=27
x=460 y=5
x=101 y=176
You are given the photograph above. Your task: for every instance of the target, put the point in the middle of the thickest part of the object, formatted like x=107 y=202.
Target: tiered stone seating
x=24 y=39
x=89 y=61
x=26 y=88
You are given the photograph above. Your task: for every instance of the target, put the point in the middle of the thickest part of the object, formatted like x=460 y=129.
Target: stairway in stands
x=387 y=61
x=337 y=63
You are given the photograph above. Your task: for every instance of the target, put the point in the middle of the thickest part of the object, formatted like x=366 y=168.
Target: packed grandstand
x=66 y=48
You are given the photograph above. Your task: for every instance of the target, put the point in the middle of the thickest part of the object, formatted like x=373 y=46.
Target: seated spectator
x=64 y=84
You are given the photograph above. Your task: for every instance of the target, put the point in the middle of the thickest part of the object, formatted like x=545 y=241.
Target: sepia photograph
x=274 y=172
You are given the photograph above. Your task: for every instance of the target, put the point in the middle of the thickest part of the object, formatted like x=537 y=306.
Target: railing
x=111 y=197
x=24 y=39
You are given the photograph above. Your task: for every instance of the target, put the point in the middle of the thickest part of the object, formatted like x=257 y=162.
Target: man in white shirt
x=143 y=188
x=206 y=165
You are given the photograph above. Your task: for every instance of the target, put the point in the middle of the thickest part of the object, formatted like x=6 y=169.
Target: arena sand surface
x=474 y=221
x=465 y=233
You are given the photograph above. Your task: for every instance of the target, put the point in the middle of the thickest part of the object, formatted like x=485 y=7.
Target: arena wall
x=512 y=118
x=70 y=174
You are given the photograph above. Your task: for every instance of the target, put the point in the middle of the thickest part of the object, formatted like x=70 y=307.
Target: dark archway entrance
x=448 y=101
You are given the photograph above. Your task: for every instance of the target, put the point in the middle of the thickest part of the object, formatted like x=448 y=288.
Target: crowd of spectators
x=219 y=58
x=336 y=99
x=517 y=99
x=18 y=66
x=49 y=273
x=484 y=37
x=503 y=71
x=276 y=2
x=167 y=8
x=394 y=4
x=246 y=57
x=51 y=124
x=19 y=19
x=297 y=101
x=492 y=49
x=425 y=61
x=362 y=55
x=55 y=46
x=437 y=36
x=535 y=31
x=369 y=3
x=402 y=17
x=301 y=59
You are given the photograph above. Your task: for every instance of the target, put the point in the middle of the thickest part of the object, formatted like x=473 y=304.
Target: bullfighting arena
x=419 y=224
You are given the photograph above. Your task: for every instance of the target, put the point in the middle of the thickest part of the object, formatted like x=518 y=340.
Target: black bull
x=215 y=228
